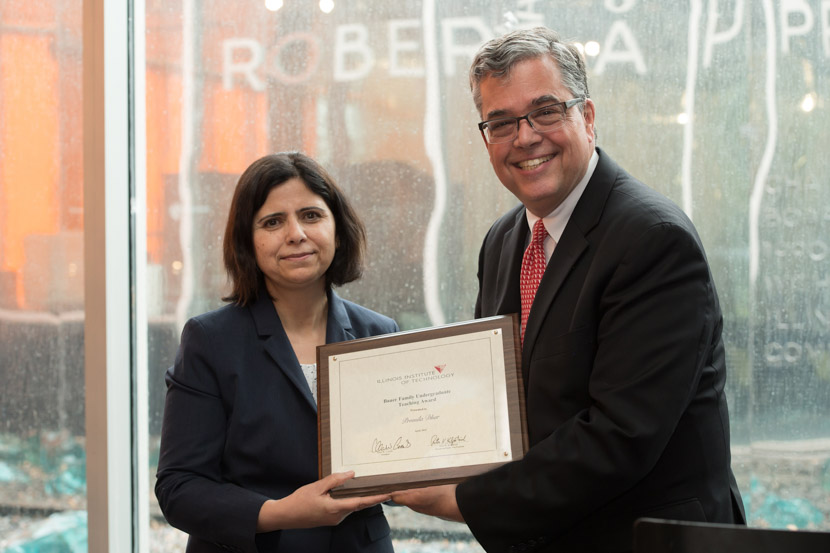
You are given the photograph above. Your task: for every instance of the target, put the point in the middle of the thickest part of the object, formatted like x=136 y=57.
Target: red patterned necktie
x=533 y=267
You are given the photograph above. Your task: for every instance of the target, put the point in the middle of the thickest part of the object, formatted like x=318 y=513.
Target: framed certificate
x=421 y=407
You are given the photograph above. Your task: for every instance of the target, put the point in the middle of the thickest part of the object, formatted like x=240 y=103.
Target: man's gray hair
x=499 y=55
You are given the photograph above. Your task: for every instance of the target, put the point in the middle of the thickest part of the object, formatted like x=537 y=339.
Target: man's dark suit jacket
x=624 y=369
x=240 y=427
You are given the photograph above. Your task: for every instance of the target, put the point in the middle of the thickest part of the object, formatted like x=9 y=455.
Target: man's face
x=540 y=169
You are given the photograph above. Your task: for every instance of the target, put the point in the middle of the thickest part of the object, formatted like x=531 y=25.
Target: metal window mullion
x=141 y=473
x=107 y=245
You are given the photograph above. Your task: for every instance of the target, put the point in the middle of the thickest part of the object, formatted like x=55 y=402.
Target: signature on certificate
x=447 y=441
x=384 y=448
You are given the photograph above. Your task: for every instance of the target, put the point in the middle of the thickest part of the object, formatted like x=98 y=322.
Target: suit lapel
x=338 y=326
x=269 y=326
x=564 y=257
x=507 y=281
x=573 y=243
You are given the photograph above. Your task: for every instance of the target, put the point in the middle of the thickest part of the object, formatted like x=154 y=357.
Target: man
x=622 y=354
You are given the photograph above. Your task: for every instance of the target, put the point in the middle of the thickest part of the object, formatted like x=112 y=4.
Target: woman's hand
x=311 y=506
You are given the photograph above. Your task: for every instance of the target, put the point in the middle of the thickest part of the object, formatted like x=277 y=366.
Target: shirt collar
x=556 y=220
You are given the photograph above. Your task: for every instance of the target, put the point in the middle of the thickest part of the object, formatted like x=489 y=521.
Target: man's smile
x=533 y=163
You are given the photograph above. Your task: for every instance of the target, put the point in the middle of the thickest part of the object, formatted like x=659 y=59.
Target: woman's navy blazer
x=240 y=427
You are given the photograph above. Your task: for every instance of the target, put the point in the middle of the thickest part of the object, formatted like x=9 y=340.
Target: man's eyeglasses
x=544 y=119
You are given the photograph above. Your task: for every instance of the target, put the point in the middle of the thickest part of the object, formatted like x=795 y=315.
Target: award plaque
x=422 y=407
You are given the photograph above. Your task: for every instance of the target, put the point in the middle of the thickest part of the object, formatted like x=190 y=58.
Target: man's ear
x=589 y=114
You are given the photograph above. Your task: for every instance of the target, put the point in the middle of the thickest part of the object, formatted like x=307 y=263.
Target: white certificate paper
x=426 y=405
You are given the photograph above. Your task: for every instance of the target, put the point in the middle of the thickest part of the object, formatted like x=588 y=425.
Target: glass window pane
x=42 y=446
x=732 y=129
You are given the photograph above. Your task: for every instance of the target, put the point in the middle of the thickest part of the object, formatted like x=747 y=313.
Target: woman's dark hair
x=252 y=190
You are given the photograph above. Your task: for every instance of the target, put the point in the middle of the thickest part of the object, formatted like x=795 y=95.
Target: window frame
x=115 y=333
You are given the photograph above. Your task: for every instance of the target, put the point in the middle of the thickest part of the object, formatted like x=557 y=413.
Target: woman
x=238 y=459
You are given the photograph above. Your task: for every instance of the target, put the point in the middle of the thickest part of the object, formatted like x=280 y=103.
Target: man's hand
x=437 y=501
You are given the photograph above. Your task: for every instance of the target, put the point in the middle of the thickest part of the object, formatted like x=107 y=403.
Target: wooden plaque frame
x=384 y=483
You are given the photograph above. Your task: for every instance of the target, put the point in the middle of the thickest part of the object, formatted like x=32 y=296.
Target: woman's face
x=294 y=238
